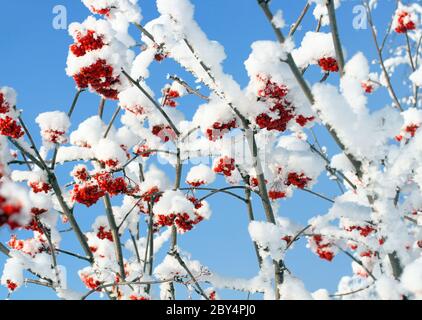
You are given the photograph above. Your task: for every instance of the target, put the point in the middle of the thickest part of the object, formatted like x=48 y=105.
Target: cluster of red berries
x=87 y=193
x=25 y=246
x=34 y=225
x=225 y=165
x=298 y=180
x=7 y=212
x=39 y=186
x=363 y=231
x=195 y=183
x=104 y=234
x=100 y=77
x=367 y=253
x=323 y=248
x=196 y=203
x=302 y=120
x=367 y=86
x=253 y=182
x=404 y=22
x=113 y=186
x=218 y=129
x=276 y=194
x=90 y=282
x=153 y=194
x=275 y=94
x=91 y=190
x=281 y=110
x=165 y=133
x=10 y=128
x=142 y=150
x=181 y=220
x=101 y=11
x=410 y=129
x=160 y=55
x=86 y=43
x=4 y=105
x=288 y=239
x=81 y=174
x=38 y=211
x=170 y=96
x=212 y=295
x=328 y=64
x=109 y=163
x=12 y=286
x=54 y=136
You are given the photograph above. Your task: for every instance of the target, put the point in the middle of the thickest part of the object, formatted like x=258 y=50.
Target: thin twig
x=101 y=108
x=318 y=195
x=176 y=255
x=299 y=19
x=116 y=236
x=380 y=57
x=335 y=35
x=155 y=103
x=297 y=236
x=359 y=262
x=351 y=292
x=5 y=250
x=72 y=254
x=188 y=88
x=113 y=118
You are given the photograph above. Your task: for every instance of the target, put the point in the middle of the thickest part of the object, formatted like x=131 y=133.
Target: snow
x=89 y=132
x=278 y=20
x=56 y=121
x=314 y=46
x=388 y=288
x=294 y=289
x=363 y=134
x=412 y=277
x=201 y=173
x=173 y=202
x=108 y=150
x=154 y=177
x=268 y=237
x=416 y=77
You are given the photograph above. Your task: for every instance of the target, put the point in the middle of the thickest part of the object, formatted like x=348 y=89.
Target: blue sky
x=33 y=59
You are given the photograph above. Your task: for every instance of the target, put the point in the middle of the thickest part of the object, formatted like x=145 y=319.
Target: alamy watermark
x=60 y=17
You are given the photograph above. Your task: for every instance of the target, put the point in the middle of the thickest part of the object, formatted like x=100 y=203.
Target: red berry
x=328 y=64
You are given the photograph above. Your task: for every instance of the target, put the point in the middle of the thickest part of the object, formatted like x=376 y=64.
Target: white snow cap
x=268 y=237
x=9 y=96
x=114 y=8
x=173 y=202
x=412 y=277
x=53 y=125
x=416 y=77
x=109 y=152
x=89 y=132
x=154 y=177
x=200 y=174
x=314 y=46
